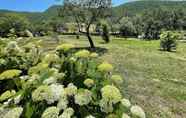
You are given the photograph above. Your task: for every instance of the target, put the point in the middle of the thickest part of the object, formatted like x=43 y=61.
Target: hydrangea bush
x=64 y=83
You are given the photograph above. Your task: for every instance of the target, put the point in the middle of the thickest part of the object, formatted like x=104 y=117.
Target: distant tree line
x=147 y=24
x=150 y=24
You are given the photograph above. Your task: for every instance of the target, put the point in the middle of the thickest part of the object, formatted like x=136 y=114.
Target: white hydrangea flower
x=112 y=115
x=94 y=55
x=82 y=54
x=50 y=93
x=71 y=89
x=26 y=77
x=137 y=111
x=50 y=112
x=125 y=115
x=50 y=80
x=17 y=99
x=63 y=102
x=106 y=91
x=41 y=93
x=117 y=79
x=12 y=47
x=83 y=97
x=90 y=116
x=105 y=67
x=72 y=59
x=34 y=77
x=126 y=103
x=7 y=102
x=3 y=111
x=89 y=82
x=106 y=106
x=14 y=113
x=56 y=91
x=67 y=113
x=51 y=57
x=110 y=96
x=54 y=70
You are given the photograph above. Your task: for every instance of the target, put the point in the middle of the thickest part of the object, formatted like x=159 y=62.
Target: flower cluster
x=65 y=47
x=50 y=93
x=10 y=74
x=110 y=96
x=126 y=103
x=111 y=93
x=137 y=111
x=89 y=116
x=14 y=113
x=63 y=102
x=94 y=55
x=116 y=79
x=6 y=95
x=71 y=89
x=125 y=116
x=89 y=83
x=38 y=68
x=68 y=113
x=83 y=97
x=12 y=48
x=49 y=58
x=51 y=112
x=105 y=67
x=82 y=54
x=41 y=93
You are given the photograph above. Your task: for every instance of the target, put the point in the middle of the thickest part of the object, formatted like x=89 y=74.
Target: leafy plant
x=105 y=33
x=73 y=84
x=168 y=40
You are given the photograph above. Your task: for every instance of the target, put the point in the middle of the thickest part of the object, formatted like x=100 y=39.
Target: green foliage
x=13 y=25
x=127 y=27
x=105 y=33
x=149 y=18
x=77 y=86
x=168 y=40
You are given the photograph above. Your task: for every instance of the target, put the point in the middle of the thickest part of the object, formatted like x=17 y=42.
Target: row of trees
x=10 y=23
x=149 y=24
x=19 y=25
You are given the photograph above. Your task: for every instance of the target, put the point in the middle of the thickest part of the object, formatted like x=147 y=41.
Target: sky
x=36 y=5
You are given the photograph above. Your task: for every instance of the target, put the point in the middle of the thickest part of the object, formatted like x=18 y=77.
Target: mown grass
x=154 y=79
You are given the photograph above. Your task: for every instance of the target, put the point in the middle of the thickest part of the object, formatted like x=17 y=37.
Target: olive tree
x=85 y=13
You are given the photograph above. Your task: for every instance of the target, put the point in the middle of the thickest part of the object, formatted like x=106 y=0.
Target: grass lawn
x=154 y=79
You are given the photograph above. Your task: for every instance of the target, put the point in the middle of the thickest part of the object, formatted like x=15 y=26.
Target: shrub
x=15 y=57
x=168 y=40
x=74 y=84
x=105 y=33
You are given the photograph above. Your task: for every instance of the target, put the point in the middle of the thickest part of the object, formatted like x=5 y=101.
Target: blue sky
x=35 y=5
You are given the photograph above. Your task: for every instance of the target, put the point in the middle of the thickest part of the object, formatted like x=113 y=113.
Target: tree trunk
x=90 y=40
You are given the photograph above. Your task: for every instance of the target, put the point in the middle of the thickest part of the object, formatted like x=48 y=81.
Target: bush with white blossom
x=64 y=83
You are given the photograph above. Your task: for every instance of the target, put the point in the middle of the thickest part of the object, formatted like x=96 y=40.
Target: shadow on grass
x=98 y=50
x=171 y=51
x=104 y=42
